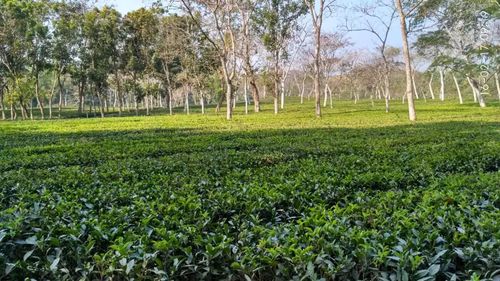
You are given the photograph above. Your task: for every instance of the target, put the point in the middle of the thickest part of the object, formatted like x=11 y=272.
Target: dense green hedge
x=398 y=202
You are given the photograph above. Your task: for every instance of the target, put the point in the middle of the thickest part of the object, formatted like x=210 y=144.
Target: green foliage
x=22 y=90
x=102 y=28
x=357 y=195
x=277 y=20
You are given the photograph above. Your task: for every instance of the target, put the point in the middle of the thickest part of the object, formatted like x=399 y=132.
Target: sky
x=361 y=40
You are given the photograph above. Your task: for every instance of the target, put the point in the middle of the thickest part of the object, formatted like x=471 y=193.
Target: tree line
x=174 y=53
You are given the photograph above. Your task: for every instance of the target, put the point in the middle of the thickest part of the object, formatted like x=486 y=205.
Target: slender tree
x=247 y=10
x=317 y=10
x=219 y=25
x=276 y=23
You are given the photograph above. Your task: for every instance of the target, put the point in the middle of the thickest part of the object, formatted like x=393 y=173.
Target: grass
x=357 y=194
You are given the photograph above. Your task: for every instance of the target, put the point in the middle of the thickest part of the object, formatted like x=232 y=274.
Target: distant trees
x=462 y=44
x=379 y=18
x=216 y=52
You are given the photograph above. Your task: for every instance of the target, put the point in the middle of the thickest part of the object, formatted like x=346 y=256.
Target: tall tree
x=317 y=10
x=38 y=43
x=276 y=23
x=247 y=9
x=141 y=27
x=102 y=30
x=219 y=28
x=403 y=15
x=171 y=44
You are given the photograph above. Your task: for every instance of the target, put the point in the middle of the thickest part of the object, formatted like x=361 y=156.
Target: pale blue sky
x=361 y=40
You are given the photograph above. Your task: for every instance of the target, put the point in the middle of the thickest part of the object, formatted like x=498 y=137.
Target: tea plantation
x=356 y=195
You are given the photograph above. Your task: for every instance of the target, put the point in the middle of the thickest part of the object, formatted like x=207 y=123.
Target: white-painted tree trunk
x=326 y=95
x=431 y=90
x=461 y=100
x=282 y=86
x=245 y=91
x=441 y=78
x=330 y=94
x=187 y=102
x=202 y=102
x=474 y=94
x=498 y=85
x=415 y=86
x=412 y=115
x=303 y=90
x=387 y=92
x=477 y=93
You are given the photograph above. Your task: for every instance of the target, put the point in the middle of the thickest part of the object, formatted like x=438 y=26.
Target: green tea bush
x=360 y=196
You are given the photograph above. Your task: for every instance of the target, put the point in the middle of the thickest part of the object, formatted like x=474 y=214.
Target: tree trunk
x=229 y=98
x=441 y=79
x=37 y=95
x=13 y=112
x=276 y=82
x=317 y=70
x=2 y=109
x=498 y=85
x=414 y=85
x=24 y=111
x=407 y=59
x=255 y=93
x=229 y=89
x=81 y=88
x=431 y=90
x=330 y=94
x=202 y=102
x=325 y=101
x=245 y=92
x=282 y=90
x=127 y=102
x=458 y=90
x=477 y=93
x=61 y=92
x=92 y=95
x=119 y=92
x=50 y=106
x=31 y=108
x=187 y=102
x=169 y=87
x=387 y=89
x=303 y=90
x=170 y=106
x=115 y=100
x=101 y=103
